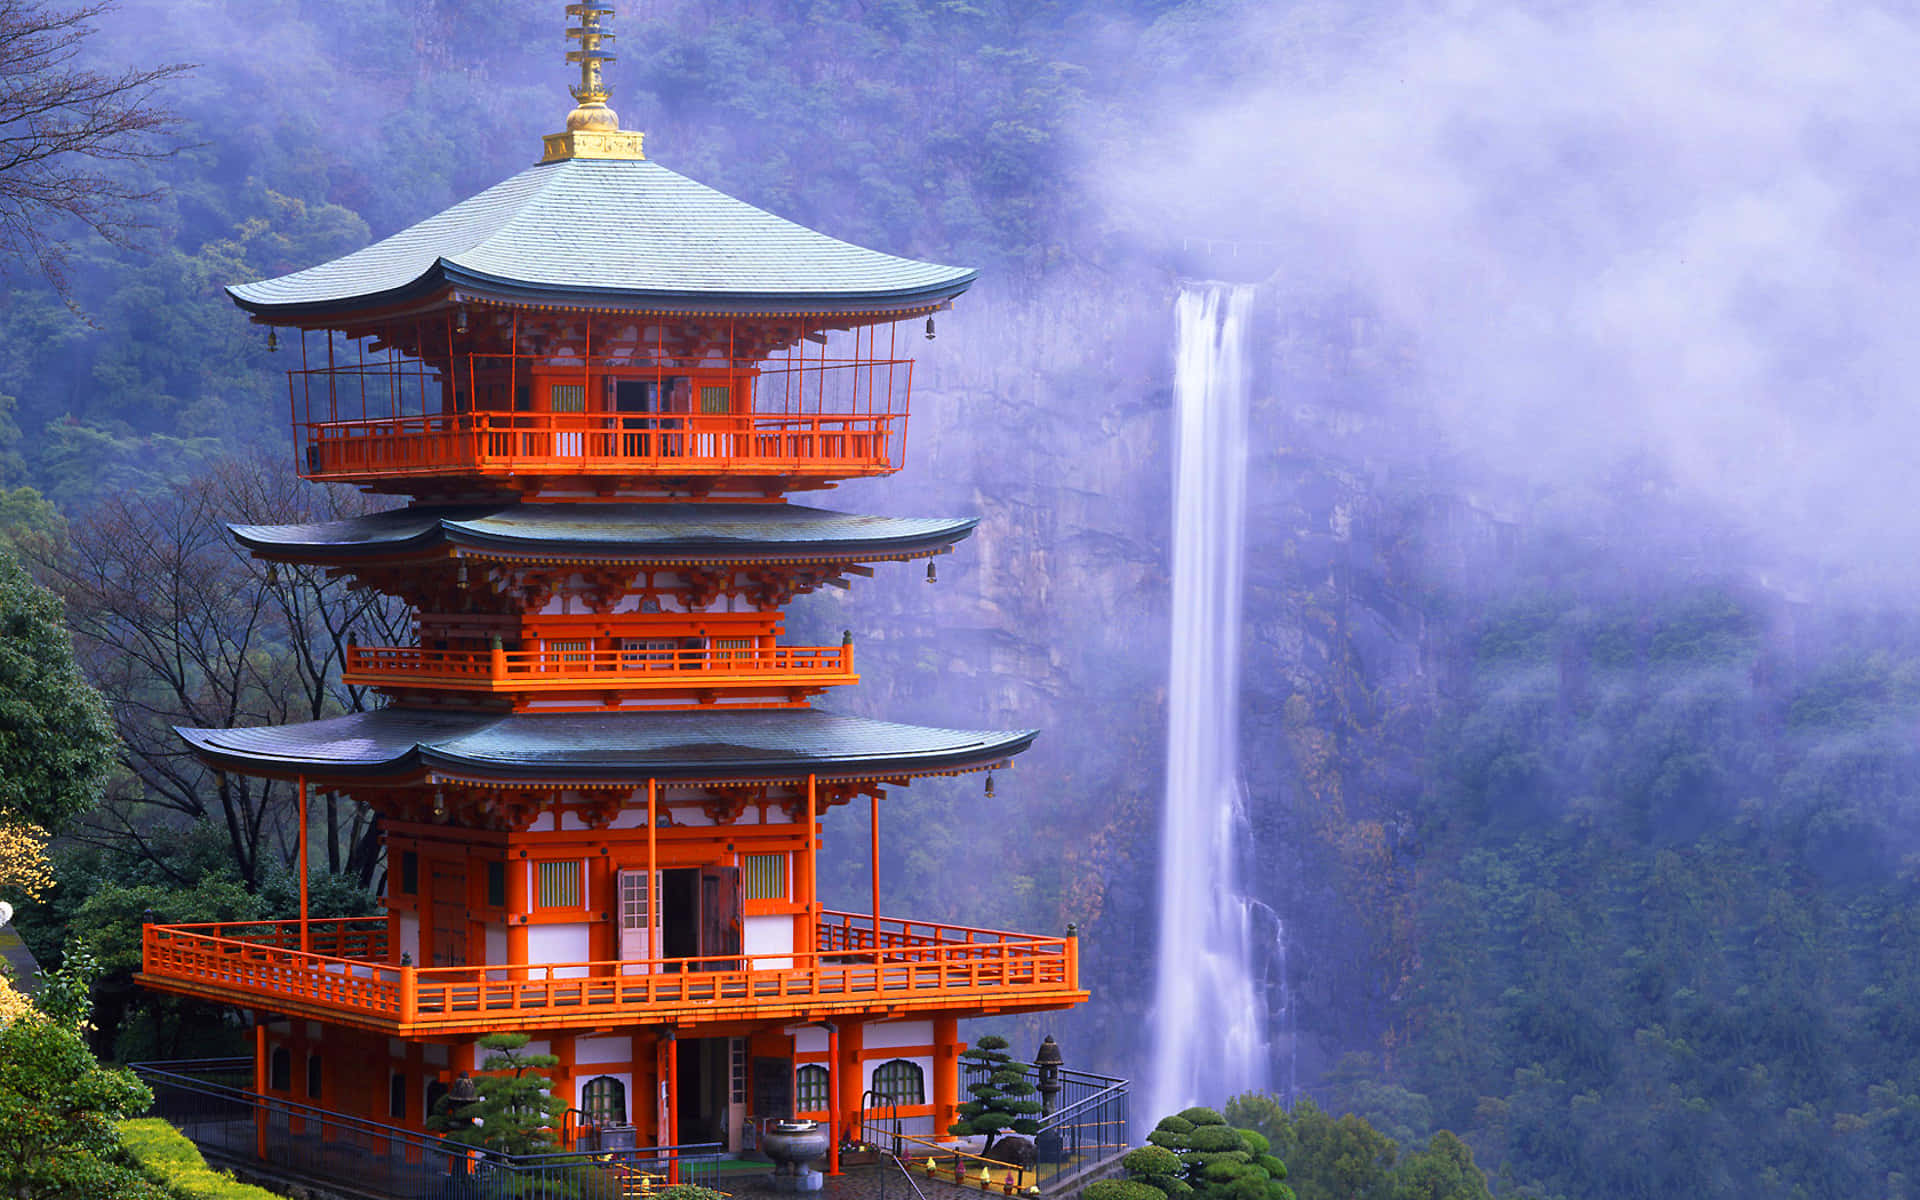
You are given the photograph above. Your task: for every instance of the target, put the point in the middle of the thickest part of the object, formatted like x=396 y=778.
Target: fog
x=1674 y=232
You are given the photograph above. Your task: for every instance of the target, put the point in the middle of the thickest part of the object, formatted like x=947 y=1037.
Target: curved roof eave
x=728 y=534
x=443 y=275
x=764 y=744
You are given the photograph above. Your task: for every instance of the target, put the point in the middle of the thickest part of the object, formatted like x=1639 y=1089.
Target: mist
x=1672 y=233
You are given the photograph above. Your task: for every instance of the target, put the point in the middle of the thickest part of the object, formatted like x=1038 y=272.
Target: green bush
x=1121 y=1189
x=688 y=1191
x=164 y=1153
x=1152 y=1160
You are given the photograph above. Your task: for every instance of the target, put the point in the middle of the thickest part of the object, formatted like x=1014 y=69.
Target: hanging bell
x=460 y=320
x=929 y=328
x=932 y=575
x=273 y=340
x=989 y=785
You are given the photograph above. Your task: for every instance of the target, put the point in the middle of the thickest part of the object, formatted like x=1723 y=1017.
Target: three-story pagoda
x=600 y=778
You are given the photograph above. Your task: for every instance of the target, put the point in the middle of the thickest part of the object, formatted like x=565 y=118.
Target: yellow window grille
x=559 y=884
x=569 y=397
x=766 y=876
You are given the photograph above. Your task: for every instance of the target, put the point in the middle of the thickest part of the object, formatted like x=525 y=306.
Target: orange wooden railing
x=513 y=670
x=927 y=969
x=603 y=443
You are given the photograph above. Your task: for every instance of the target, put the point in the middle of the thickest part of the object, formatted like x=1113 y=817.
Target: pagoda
x=600 y=778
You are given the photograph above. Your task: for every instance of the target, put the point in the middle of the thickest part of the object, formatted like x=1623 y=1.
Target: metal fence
x=1088 y=1124
x=302 y=1142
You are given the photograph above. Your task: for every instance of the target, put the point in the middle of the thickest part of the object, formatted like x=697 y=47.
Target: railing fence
x=303 y=1141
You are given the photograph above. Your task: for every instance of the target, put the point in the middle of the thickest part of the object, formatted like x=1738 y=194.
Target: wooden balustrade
x=255 y=964
x=491 y=443
x=549 y=669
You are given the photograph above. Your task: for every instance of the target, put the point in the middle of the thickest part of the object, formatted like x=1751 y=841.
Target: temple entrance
x=700 y=916
x=447 y=930
x=700 y=1091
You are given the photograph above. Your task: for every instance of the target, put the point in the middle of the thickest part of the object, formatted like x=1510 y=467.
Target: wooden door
x=720 y=917
x=447 y=931
x=639 y=924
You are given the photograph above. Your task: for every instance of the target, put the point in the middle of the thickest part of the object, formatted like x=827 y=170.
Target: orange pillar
x=519 y=904
x=946 y=1073
x=836 y=1110
x=873 y=828
x=306 y=937
x=813 y=857
x=260 y=1090
x=849 y=1080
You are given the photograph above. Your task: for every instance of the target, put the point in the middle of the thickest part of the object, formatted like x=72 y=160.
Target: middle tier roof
x=614 y=532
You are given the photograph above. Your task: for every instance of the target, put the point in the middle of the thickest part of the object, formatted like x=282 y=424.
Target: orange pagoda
x=600 y=777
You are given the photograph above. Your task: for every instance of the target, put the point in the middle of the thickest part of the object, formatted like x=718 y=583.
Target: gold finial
x=593 y=131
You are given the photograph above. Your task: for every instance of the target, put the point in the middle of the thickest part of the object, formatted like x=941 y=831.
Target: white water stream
x=1210 y=1012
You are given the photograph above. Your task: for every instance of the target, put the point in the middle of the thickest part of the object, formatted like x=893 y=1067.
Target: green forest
x=1615 y=893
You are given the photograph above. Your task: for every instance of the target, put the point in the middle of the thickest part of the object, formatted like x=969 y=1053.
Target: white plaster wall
x=559 y=944
x=899 y=1033
x=410 y=936
x=769 y=935
x=808 y=1040
x=590 y=1050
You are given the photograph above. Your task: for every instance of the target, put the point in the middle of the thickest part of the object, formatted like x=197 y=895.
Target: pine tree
x=515 y=1109
x=998 y=1103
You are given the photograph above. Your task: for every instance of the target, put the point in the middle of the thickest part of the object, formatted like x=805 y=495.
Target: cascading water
x=1211 y=1015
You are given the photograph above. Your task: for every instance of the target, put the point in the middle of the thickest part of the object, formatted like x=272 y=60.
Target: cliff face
x=1049 y=416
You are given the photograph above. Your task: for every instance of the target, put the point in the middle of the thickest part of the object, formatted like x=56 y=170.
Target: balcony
x=802 y=669
x=825 y=446
x=345 y=975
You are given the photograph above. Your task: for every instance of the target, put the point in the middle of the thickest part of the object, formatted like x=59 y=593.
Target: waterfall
x=1210 y=1016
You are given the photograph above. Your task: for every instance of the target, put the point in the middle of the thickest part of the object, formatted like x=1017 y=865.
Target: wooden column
x=519 y=904
x=813 y=849
x=873 y=829
x=260 y=1090
x=946 y=1073
x=849 y=1080
x=836 y=1111
x=306 y=936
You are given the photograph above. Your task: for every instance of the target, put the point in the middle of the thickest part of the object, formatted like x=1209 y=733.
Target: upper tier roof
x=614 y=232
x=627 y=532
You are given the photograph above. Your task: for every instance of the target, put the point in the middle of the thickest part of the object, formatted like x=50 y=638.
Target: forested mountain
x=1589 y=806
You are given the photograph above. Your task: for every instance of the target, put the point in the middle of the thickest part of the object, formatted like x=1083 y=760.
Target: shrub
x=1121 y=1189
x=164 y=1153
x=688 y=1191
x=1202 y=1116
x=1152 y=1160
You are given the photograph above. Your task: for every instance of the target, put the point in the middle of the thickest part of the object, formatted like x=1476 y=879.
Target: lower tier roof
x=679 y=532
x=767 y=744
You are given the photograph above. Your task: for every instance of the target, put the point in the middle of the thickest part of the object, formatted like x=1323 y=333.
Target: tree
x=997 y=1105
x=66 y=132
x=515 y=1109
x=1196 y=1152
x=179 y=626
x=56 y=737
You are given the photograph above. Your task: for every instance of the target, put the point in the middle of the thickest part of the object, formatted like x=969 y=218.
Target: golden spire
x=593 y=131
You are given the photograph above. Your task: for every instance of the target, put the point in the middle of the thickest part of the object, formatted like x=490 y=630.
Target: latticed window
x=810 y=1089
x=900 y=1082
x=604 y=1100
x=766 y=876
x=560 y=884
x=569 y=397
x=715 y=399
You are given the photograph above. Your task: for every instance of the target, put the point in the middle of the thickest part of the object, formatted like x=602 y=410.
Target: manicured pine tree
x=515 y=1109
x=999 y=1103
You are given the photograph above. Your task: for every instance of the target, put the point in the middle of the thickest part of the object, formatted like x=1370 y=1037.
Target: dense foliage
x=513 y=1112
x=56 y=739
x=166 y=1155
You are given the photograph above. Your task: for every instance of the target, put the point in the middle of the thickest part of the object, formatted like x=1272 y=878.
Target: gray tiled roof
x=731 y=532
x=619 y=232
x=763 y=743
